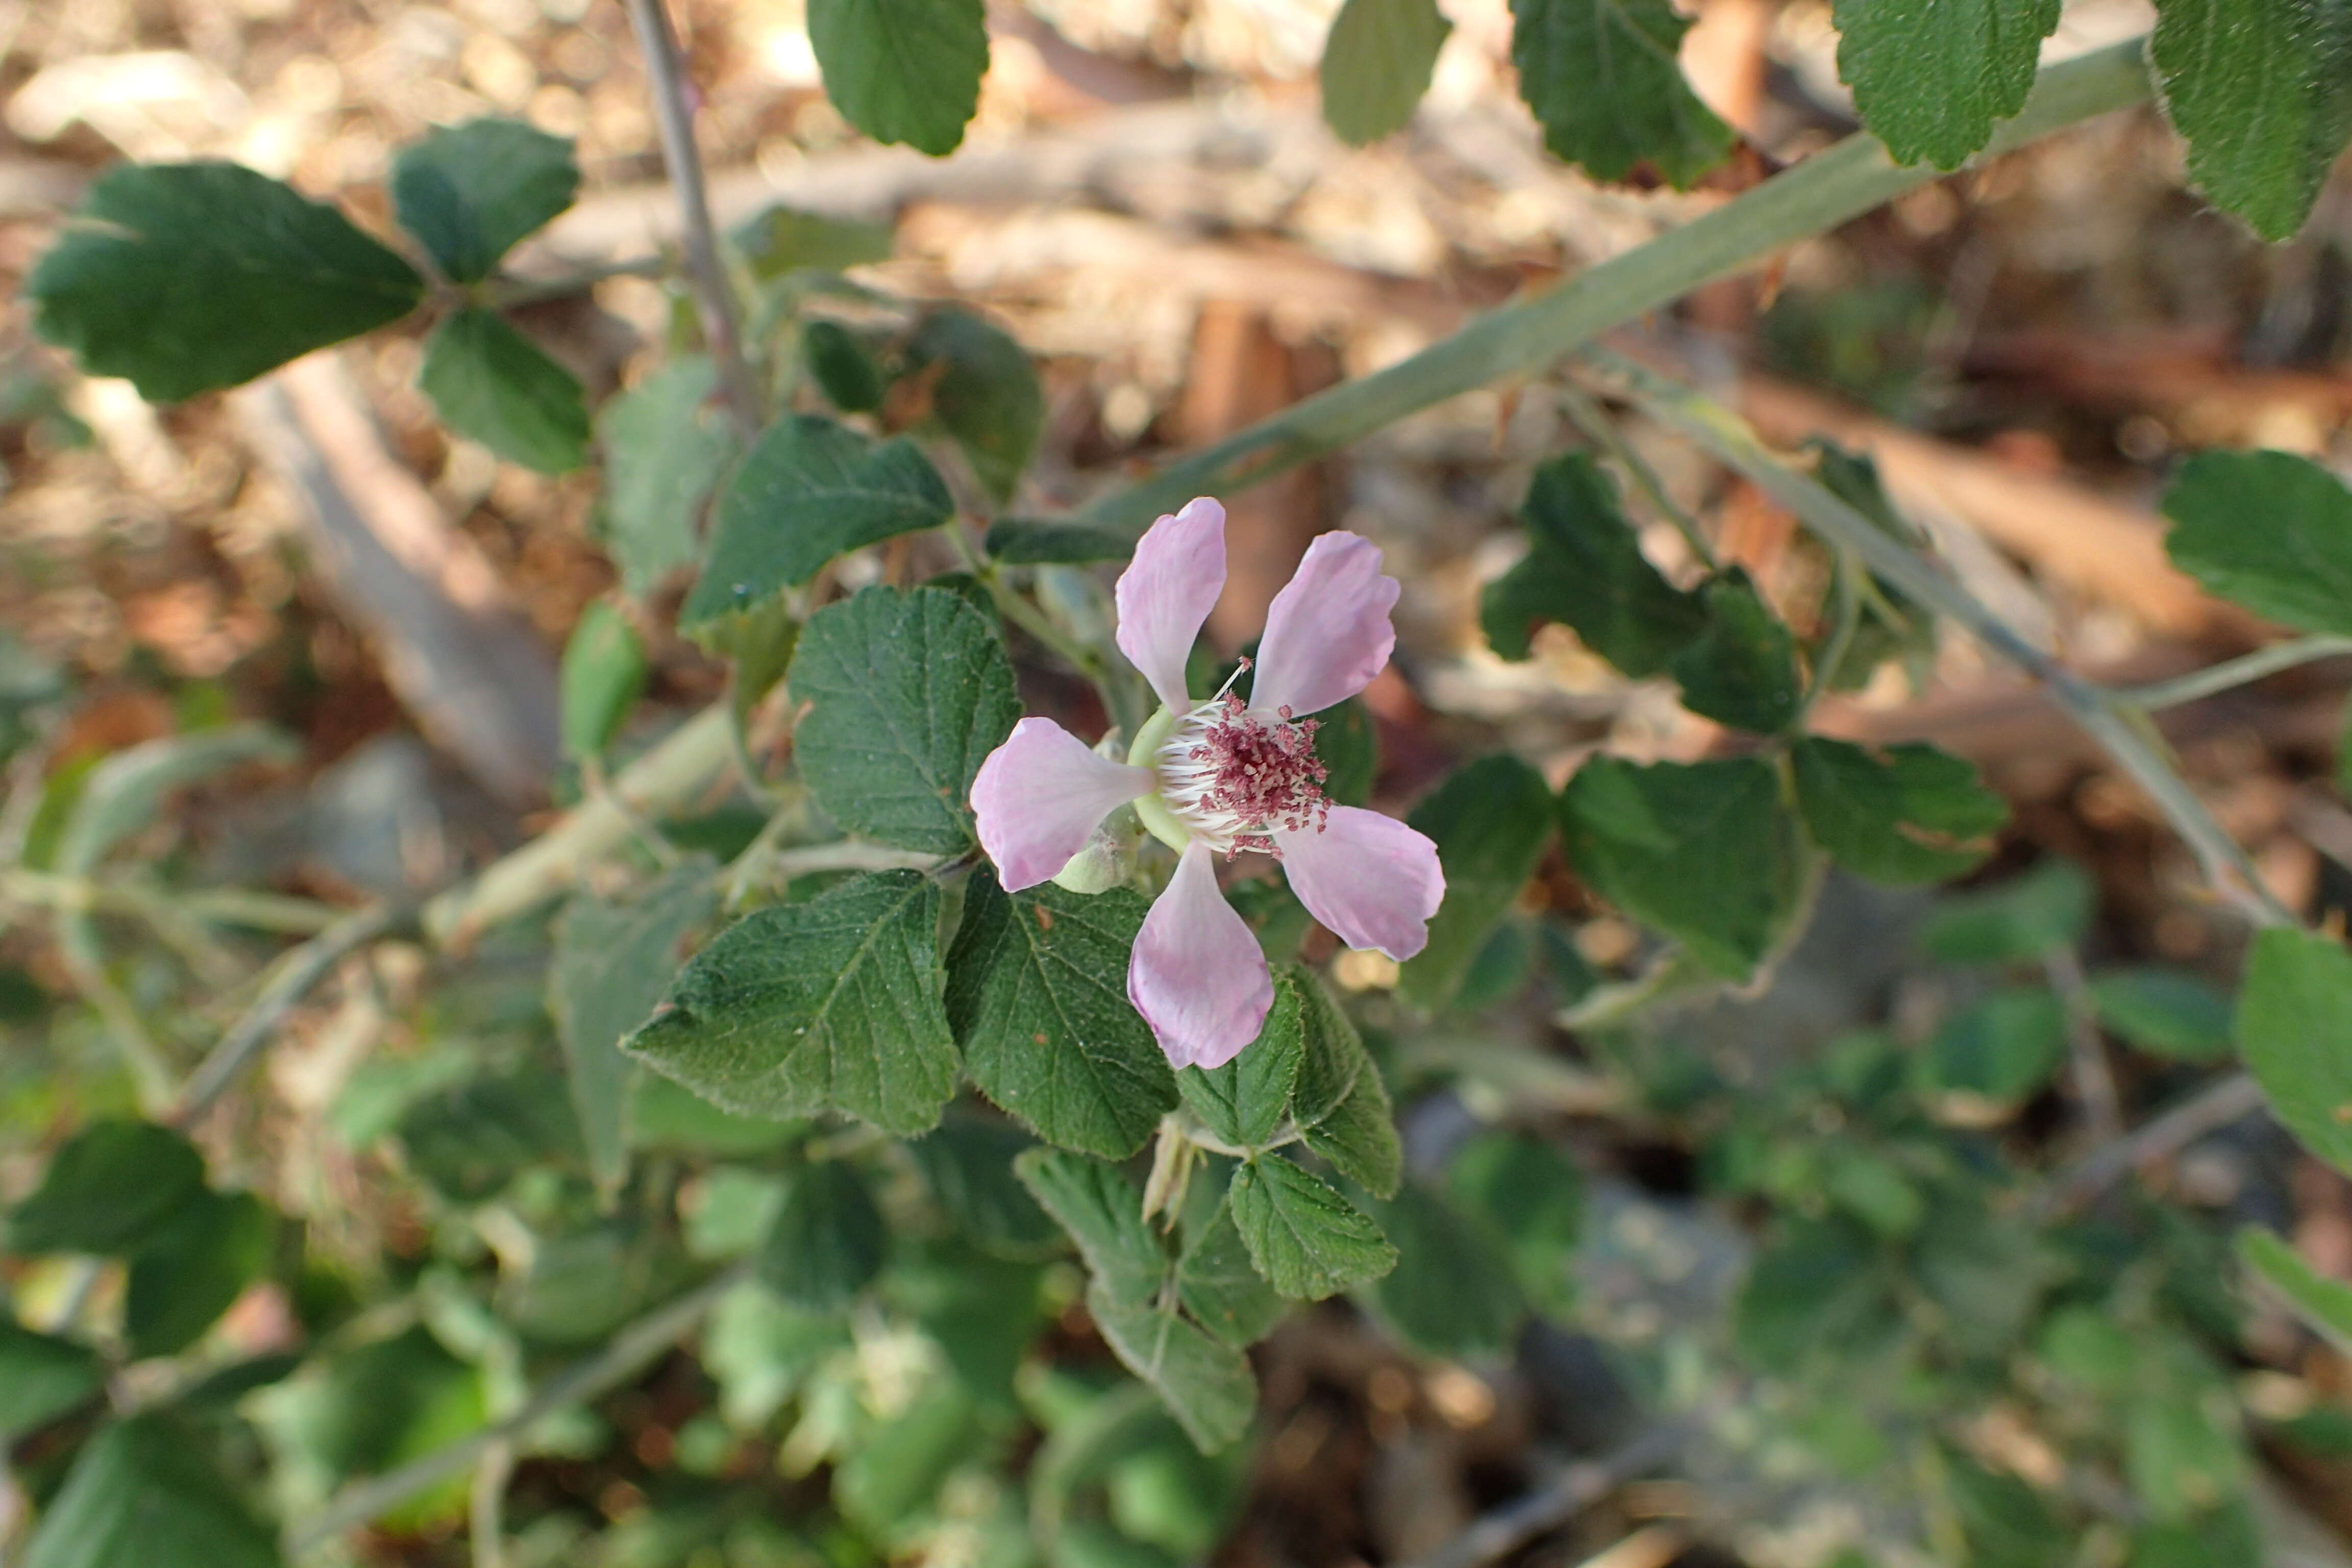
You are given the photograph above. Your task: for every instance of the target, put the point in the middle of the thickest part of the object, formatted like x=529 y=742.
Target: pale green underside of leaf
x=1377 y=63
x=902 y=71
x=187 y=277
x=612 y=963
x=1038 y=996
x=1206 y=1383
x=910 y=693
x=1242 y=1101
x=2261 y=89
x=665 y=445
x=1931 y=77
x=833 y=1004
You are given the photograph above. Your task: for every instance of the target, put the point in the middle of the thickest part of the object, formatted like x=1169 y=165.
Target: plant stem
x=1846 y=606
x=2094 y=1082
x=2239 y=671
x=1724 y=434
x=625 y=1355
x=2209 y=1109
x=714 y=297
x=1824 y=191
x=1602 y=431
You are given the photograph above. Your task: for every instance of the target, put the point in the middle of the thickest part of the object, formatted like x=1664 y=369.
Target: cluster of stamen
x=1233 y=777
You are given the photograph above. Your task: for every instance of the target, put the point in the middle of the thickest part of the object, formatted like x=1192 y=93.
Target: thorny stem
x=714 y=298
x=2229 y=673
x=1728 y=438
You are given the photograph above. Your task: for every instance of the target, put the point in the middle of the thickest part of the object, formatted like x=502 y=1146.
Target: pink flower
x=1220 y=776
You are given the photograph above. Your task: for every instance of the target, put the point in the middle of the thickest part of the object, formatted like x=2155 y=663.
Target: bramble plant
x=843 y=1077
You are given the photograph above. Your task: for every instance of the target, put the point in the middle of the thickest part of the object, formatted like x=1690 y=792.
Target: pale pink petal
x=1198 y=976
x=1039 y=794
x=1328 y=632
x=1166 y=592
x=1373 y=881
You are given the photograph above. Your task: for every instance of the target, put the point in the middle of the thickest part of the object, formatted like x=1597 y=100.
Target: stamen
x=1233 y=777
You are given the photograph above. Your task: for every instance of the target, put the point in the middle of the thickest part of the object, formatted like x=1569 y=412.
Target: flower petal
x=1167 y=591
x=1373 y=881
x=1038 y=797
x=1328 y=632
x=1198 y=976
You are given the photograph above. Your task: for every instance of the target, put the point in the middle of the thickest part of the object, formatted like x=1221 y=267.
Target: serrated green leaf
x=1376 y=62
x=612 y=963
x=109 y=1188
x=1454 y=1292
x=1206 y=1383
x=983 y=391
x=1742 y=671
x=828 y=1241
x=2164 y=1012
x=603 y=674
x=1306 y=1239
x=1704 y=851
x=665 y=443
x=2270 y=530
x=1103 y=1215
x=42 y=1377
x=469 y=1138
x=2295 y=1022
x=2004 y=1046
x=967 y=1165
x=2261 y=89
x=843 y=368
x=1533 y=1194
x=1603 y=78
x=1585 y=568
x=1491 y=821
x=144 y=1492
x=910 y=693
x=1038 y=997
x=187 y=277
x=902 y=71
x=1340 y=1104
x=807 y=490
x=784 y=239
x=469 y=192
x=1903 y=813
x=1931 y=77
x=2015 y=921
x=1024 y=541
x=833 y=1004
x=1242 y=1101
x=490 y=384
x=188 y=1272
x=1222 y=1287
x=2323 y=1303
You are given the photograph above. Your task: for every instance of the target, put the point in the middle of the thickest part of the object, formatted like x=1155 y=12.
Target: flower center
x=1231 y=777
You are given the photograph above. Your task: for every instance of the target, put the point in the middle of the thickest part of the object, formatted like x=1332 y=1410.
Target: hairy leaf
x=1603 y=77
x=2261 y=89
x=492 y=384
x=1930 y=76
x=1742 y=669
x=1037 y=995
x=902 y=71
x=1377 y=63
x=1901 y=813
x=1206 y=1383
x=833 y=1004
x=910 y=693
x=665 y=444
x=1585 y=568
x=1306 y=1239
x=1242 y=1101
x=2270 y=530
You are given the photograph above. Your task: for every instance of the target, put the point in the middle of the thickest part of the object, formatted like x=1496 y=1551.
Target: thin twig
x=1724 y=434
x=1579 y=1486
x=2231 y=673
x=625 y=1355
x=714 y=298
x=2208 y=1110
x=2094 y=1082
x=297 y=971
x=486 y=1506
